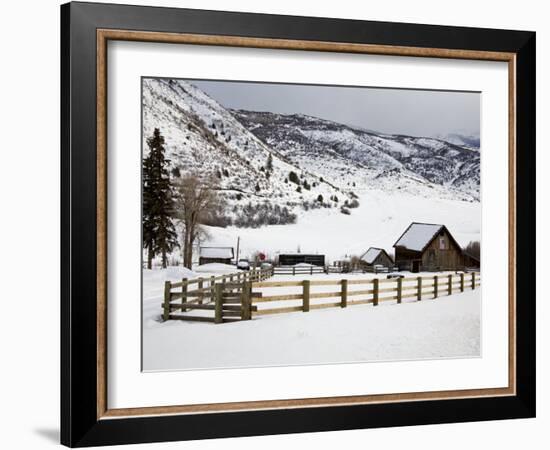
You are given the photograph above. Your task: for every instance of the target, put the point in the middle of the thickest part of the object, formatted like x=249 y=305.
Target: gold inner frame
x=104 y=35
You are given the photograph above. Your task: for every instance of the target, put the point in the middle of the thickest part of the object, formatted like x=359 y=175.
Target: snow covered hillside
x=349 y=156
x=378 y=222
x=463 y=139
x=203 y=138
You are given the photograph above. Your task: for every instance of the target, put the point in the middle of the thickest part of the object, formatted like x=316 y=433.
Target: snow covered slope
x=463 y=139
x=204 y=139
x=348 y=155
x=379 y=221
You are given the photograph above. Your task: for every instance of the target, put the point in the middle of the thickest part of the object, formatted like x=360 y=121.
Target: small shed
x=375 y=256
x=291 y=259
x=209 y=255
x=428 y=247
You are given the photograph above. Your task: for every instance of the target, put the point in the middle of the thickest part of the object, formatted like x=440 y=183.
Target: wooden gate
x=229 y=302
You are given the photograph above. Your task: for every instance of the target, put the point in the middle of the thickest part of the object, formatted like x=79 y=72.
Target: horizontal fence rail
x=358 y=292
x=298 y=270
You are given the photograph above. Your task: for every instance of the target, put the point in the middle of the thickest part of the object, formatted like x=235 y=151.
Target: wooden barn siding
x=404 y=258
x=383 y=259
x=470 y=262
x=451 y=258
x=203 y=260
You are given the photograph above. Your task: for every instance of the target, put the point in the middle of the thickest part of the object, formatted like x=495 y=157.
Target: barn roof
x=419 y=235
x=371 y=254
x=216 y=252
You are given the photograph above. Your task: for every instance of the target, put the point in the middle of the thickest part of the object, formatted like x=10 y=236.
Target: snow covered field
x=378 y=222
x=448 y=327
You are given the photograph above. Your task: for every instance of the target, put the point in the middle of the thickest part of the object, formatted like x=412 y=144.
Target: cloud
x=395 y=111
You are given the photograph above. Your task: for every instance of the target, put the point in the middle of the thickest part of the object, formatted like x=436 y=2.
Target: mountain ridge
x=434 y=159
x=315 y=163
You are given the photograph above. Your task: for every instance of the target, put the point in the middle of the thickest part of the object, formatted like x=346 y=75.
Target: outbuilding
x=291 y=259
x=209 y=255
x=428 y=247
x=375 y=257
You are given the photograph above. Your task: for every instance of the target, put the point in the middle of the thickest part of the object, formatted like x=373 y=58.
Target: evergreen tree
x=269 y=163
x=176 y=172
x=159 y=234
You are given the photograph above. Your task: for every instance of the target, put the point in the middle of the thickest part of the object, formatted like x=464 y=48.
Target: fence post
x=399 y=289
x=200 y=286
x=246 y=302
x=249 y=294
x=293 y=270
x=435 y=286
x=183 y=294
x=344 y=294
x=305 y=295
x=473 y=280
x=375 y=292
x=450 y=288
x=462 y=282
x=311 y=270
x=212 y=288
x=166 y=312
x=218 y=318
x=231 y=281
x=419 y=288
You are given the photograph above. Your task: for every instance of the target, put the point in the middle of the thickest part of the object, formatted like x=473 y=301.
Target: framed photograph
x=276 y=224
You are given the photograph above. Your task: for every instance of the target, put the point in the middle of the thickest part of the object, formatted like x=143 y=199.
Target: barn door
x=431 y=259
x=416 y=266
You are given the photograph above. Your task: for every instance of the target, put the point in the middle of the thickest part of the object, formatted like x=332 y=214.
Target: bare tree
x=473 y=249
x=355 y=262
x=197 y=199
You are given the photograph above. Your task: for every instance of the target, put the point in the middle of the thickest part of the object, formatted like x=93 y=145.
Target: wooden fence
x=298 y=270
x=222 y=295
x=364 y=269
x=347 y=293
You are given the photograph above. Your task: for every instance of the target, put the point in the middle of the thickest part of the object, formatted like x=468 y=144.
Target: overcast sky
x=396 y=111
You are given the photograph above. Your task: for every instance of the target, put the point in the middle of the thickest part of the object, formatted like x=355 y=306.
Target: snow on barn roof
x=371 y=254
x=418 y=236
x=216 y=252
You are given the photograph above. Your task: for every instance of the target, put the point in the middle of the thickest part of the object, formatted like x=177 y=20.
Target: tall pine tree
x=269 y=163
x=159 y=234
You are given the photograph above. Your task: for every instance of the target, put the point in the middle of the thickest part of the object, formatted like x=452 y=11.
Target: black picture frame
x=80 y=425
